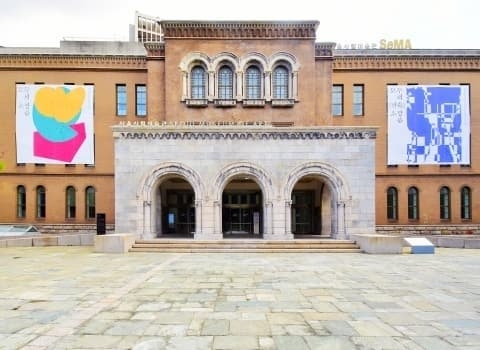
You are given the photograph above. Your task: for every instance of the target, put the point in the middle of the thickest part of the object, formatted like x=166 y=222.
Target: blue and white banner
x=428 y=124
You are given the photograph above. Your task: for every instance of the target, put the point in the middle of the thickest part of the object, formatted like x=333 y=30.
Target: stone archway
x=259 y=176
x=149 y=204
x=339 y=191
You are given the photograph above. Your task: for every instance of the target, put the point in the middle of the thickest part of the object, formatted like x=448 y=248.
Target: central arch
x=149 y=197
x=252 y=174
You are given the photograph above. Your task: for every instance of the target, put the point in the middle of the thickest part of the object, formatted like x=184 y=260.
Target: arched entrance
x=169 y=200
x=242 y=208
x=176 y=199
x=318 y=199
x=243 y=193
x=311 y=207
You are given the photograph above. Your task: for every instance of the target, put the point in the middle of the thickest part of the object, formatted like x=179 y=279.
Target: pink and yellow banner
x=55 y=124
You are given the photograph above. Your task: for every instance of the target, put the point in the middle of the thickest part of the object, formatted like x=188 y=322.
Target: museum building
x=218 y=129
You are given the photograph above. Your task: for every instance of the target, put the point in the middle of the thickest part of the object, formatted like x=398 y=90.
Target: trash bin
x=101 y=224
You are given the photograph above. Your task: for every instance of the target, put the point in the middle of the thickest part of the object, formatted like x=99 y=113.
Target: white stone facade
x=276 y=158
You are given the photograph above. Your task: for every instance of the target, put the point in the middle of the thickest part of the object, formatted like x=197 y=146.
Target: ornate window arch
x=197 y=80
x=226 y=84
x=283 y=81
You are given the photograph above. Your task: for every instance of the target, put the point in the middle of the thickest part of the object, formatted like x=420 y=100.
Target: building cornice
x=155 y=50
x=239 y=30
x=88 y=62
x=405 y=62
x=240 y=131
x=324 y=50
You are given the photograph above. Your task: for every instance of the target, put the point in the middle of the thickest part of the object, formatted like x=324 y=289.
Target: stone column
x=295 y=86
x=198 y=218
x=211 y=85
x=147 y=230
x=268 y=85
x=288 y=219
x=185 y=92
x=239 y=85
x=341 y=233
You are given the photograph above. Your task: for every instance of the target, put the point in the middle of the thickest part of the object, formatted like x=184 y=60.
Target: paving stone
x=330 y=343
x=282 y=301
x=235 y=342
x=289 y=342
x=215 y=327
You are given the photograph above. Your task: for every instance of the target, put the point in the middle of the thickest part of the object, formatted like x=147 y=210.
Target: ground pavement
x=72 y=298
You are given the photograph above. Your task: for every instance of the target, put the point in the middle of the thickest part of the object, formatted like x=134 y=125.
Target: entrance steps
x=245 y=246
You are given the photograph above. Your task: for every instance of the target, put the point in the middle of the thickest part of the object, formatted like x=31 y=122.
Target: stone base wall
x=429 y=230
x=71 y=228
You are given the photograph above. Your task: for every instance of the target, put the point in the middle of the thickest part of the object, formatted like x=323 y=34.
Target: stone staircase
x=245 y=246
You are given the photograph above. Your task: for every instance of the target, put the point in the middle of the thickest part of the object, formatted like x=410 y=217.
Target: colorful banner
x=428 y=124
x=55 y=124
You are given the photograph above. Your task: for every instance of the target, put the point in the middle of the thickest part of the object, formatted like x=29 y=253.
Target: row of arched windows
x=444 y=204
x=226 y=79
x=70 y=202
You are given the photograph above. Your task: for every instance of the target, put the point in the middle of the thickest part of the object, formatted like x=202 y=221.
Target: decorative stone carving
x=240 y=30
x=186 y=131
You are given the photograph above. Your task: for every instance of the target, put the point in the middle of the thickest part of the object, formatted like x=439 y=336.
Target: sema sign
x=383 y=44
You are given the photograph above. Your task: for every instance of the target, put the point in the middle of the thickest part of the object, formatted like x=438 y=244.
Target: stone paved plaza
x=72 y=298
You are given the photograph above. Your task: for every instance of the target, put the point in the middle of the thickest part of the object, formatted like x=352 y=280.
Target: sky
x=428 y=24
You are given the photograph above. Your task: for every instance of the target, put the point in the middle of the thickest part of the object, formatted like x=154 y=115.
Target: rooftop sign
x=383 y=44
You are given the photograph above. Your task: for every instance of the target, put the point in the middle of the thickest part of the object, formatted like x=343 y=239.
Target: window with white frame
x=198 y=83
x=225 y=83
x=253 y=83
x=280 y=83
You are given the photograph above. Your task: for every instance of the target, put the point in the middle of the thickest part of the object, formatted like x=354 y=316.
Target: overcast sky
x=428 y=24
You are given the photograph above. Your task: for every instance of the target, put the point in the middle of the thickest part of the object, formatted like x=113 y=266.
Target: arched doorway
x=169 y=200
x=176 y=200
x=318 y=199
x=243 y=205
x=311 y=207
x=242 y=208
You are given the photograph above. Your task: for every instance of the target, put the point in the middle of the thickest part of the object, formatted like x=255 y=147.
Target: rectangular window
x=141 y=100
x=337 y=100
x=358 y=98
x=121 y=92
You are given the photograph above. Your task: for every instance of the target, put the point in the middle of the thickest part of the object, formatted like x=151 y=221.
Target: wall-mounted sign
x=55 y=124
x=383 y=44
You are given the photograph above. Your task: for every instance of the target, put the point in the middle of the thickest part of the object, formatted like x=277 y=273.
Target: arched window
x=70 y=203
x=253 y=83
x=90 y=202
x=444 y=203
x=21 y=202
x=466 y=203
x=225 y=83
x=198 y=83
x=280 y=83
x=392 y=203
x=413 y=206
x=41 y=202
